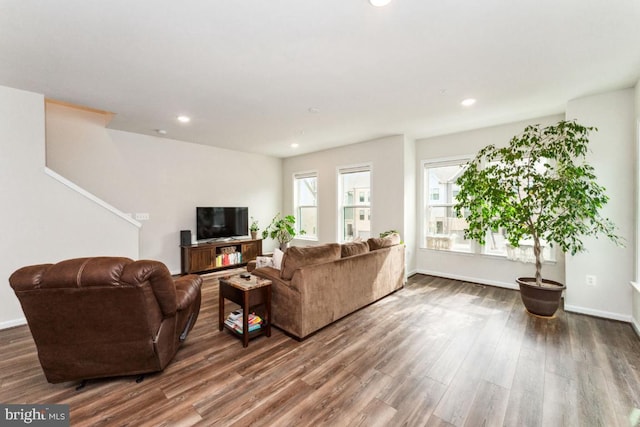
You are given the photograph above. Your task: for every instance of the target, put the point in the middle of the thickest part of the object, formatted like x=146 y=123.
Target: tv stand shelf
x=210 y=256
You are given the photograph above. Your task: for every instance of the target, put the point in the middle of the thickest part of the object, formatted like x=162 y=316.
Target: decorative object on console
x=539 y=187
x=282 y=229
x=185 y=237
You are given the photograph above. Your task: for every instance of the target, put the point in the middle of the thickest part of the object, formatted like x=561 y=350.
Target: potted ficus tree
x=282 y=229
x=539 y=188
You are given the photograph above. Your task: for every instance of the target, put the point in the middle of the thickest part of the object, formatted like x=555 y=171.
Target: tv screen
x=215 y=223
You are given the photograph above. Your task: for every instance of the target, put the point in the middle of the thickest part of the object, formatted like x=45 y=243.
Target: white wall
x=635 y=301
x=613 y=157
x=474 y=268
x=160 y=176
x=410 y=205
x=386 y=156
x=42 y=220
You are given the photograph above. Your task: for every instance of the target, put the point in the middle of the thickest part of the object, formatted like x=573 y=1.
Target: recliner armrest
x=187 y=290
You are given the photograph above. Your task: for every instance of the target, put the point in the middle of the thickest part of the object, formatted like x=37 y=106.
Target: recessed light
x=295 y=145
x=184 y=119
x=313 y=110
x=379 y=3
x=161 y=131
x=468 y=102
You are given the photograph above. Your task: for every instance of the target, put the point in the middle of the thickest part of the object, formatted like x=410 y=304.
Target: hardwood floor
x=437 y=353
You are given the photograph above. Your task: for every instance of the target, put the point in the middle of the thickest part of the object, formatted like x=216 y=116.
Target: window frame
x=425 y=196
x=298 y=177
x=368 y=203
x=427 y=202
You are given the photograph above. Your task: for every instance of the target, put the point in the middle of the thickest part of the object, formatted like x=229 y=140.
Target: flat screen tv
x=216 y=223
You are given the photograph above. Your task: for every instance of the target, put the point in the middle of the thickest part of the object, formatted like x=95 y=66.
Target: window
x=445 y=231
x=354 y=189
x=305 y=190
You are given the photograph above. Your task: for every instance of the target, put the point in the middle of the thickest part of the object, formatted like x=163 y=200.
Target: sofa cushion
x=383 y=242
x=296 y=257
x=353 y=248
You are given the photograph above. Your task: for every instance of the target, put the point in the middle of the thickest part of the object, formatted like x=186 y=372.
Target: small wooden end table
x=247 y=293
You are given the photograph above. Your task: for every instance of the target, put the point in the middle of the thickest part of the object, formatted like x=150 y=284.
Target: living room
x=69 y=181
x=156 y=175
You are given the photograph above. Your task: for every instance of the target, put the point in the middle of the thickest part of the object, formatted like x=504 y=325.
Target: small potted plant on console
x=254 y=228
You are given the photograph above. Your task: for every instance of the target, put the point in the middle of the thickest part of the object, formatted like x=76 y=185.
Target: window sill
x=307 y=239
x=473 y=254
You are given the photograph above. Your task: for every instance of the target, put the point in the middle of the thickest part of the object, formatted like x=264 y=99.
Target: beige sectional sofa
x=318 y=285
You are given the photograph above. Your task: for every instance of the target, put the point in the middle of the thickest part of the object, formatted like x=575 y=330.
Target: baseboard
x=569 y=308
x=598 y=313
x=635 y=323
x=469 y=279
x=13 y=323
x=636 y=326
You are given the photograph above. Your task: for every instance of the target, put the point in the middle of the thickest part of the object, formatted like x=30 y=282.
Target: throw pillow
x=277 y=258
x=264 y=261
x=353 y=248
x=383 y=242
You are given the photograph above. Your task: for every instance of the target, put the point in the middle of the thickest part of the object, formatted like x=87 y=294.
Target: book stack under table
x=234 y=321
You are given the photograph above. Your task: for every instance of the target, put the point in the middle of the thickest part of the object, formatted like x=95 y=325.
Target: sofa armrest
x=187 y=290
x=286 y=307
x=272 y=274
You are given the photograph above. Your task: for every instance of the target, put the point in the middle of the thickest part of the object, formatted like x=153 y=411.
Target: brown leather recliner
x=106 y=316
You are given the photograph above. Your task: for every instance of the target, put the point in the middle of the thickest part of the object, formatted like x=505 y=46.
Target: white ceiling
x=249 y=71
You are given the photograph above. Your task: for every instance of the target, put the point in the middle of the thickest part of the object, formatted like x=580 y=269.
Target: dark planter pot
x=540 y=300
